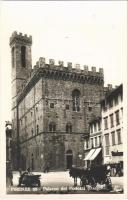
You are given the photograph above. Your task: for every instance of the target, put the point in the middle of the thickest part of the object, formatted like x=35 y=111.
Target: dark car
x=29 y=180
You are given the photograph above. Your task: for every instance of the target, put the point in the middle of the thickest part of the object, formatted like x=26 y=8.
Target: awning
x=89 y=154
x=95 y=154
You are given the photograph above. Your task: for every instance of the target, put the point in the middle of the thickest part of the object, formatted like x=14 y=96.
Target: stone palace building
x=52 y=106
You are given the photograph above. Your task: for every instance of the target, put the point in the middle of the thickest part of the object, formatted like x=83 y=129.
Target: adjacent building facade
x=52 y=106
x=93 y=145
x=104 y=145
x=112 y=126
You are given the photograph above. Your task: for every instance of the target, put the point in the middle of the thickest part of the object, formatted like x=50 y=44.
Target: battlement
x=69 y=72
x=20 y=38
x=59 y=71
x=42 y=63
x=108 y=88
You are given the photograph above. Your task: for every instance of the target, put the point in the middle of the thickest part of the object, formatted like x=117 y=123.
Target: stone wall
x=51 y=149
x=59 y=93
x=44 y=147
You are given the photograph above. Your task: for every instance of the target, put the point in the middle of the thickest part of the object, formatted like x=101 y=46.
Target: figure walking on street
x=118 y=170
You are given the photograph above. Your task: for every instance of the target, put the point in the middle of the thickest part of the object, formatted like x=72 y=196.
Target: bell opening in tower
x=23 y=56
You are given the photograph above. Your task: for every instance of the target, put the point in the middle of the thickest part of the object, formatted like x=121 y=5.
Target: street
x=54 y=182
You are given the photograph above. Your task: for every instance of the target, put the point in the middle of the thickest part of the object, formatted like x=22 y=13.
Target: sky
x=90 y=33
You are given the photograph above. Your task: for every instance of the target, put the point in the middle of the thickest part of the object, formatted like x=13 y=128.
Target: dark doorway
x=69 y=159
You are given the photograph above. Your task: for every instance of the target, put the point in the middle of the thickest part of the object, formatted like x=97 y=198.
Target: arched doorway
x=69 y=159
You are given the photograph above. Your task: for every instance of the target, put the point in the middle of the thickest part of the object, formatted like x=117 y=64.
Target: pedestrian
x=109 y=170
x=28 y=170
x=47 y=168
x=118 y=170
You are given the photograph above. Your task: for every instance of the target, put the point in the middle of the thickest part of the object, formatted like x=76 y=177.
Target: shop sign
x=117 y=153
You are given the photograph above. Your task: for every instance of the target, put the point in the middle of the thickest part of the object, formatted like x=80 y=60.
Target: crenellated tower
x=21 y=67
x=21 y=60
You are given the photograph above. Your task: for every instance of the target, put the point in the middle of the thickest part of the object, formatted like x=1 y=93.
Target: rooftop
x=96 y=119
x=113 y=92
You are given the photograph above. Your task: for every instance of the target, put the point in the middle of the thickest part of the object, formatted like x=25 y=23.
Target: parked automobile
x=29 y=180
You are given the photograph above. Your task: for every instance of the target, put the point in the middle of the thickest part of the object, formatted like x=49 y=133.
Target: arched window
x=13 y=57
x=76 y=100
x=52 y=127
x=23 y=56
x=68 y=127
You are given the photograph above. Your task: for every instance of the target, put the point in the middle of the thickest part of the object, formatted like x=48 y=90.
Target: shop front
x=94 y=157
